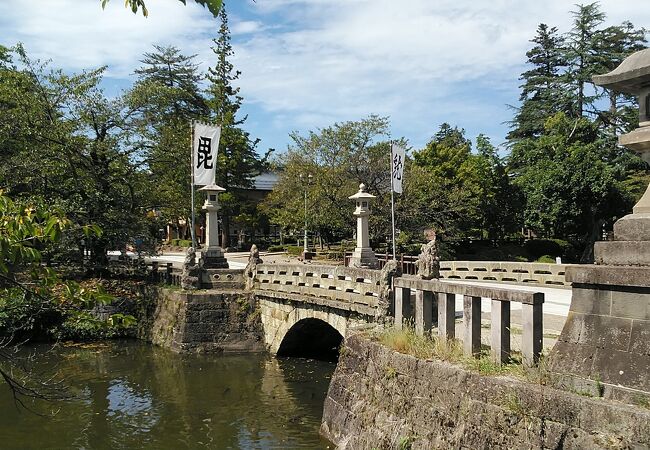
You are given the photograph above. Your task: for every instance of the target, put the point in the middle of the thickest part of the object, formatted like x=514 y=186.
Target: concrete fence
x=346 y=284
x=434 y=298
x=512 y=272
x=506 y=272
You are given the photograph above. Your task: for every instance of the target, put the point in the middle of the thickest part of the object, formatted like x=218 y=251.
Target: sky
x=306 y=64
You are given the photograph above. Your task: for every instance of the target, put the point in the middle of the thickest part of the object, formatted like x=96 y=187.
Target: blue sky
x=309 y=63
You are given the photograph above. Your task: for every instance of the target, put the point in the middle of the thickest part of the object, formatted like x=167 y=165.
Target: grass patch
x=429 y=346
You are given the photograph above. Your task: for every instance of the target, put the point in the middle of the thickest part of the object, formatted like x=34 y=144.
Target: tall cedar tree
x=237 y=162
x=584 y=53
x=168 y=96
x=542 y=92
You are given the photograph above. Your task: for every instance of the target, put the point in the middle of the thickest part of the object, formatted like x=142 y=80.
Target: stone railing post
x=472 y=325
x=168 y=273
x=532 y=335
x=402 y=306
x=500 y=331
x=446 y=315
x=423 y=311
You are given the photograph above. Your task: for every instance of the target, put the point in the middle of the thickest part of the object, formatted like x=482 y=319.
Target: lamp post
x=308 y=179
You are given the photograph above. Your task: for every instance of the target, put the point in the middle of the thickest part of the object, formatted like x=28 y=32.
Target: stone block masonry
x=379 y=398
x=202 y=321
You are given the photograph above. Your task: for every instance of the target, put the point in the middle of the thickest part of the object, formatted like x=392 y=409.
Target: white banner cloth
x=204 y=153
x=397 y=154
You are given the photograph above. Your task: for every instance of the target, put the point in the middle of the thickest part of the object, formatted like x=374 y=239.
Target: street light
x=308 y=180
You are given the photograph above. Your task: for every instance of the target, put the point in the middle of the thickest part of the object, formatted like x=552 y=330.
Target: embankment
x=379 y=398
x=226 y=320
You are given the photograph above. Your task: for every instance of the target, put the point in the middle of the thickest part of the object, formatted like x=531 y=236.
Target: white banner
x=204 y=153
x=397 y=155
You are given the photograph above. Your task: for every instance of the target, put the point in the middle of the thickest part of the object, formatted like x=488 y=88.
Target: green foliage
x=137 y=5
x=457 y=192
x=85 y=168
x=33 y=296
x=339 y=158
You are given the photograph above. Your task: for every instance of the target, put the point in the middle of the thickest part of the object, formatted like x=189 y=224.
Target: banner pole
x=392 y=198
x=192 y=180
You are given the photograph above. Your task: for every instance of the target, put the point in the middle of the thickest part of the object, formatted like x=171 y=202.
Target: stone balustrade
x=337 y=283
x=433 y=295
x=512 y=272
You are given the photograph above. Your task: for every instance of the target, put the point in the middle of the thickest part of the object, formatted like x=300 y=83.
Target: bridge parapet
x=344 y=284
x=433 y=295
x=512 y=272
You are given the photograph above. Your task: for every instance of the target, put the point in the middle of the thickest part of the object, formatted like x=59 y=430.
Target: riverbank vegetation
x=430 y=346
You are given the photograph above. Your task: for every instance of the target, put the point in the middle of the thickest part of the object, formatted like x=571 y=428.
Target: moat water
x=130 y=395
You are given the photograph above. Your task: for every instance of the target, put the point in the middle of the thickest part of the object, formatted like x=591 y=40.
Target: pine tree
x=168 y=96
x=584 y=53
x=237 y=161
x=177 y=79
x=542 y=93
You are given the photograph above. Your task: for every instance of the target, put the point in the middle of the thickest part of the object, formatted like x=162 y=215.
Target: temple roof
x=630 y=76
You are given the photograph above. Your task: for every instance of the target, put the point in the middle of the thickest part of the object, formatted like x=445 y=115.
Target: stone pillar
x=605 y=338
x=212 y=254
x=363 y=256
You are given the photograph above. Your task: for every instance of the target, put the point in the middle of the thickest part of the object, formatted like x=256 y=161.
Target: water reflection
x=137 y=396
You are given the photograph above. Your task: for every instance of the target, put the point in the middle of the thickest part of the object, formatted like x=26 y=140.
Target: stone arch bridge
x=306 y=309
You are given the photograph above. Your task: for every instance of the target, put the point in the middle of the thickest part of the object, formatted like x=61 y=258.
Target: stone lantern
x=632 y=76
x=605 y=337
x=631 y=243
x=212 y=254
x=363 y=255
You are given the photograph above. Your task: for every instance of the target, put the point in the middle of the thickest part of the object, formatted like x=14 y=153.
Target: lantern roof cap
x=361 y=194
x=212 y=187
x=630 y=76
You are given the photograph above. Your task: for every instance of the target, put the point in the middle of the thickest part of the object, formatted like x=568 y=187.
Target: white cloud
x=245 y=27
x=78 y=34
x=307 y=63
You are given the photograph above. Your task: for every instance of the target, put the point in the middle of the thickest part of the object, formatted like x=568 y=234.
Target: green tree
x=542 y=91
x=584 y=55
x=339 y=158
x=237 y=160
x=167 y=97
x=32 y=294
x=66 y=145
x=571 y=184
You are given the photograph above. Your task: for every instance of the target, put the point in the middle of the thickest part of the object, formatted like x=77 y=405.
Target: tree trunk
x=588 y=253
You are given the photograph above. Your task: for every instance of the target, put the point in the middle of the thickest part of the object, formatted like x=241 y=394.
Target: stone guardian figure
x=251 y=267
x=191 y=276
x=428 y=263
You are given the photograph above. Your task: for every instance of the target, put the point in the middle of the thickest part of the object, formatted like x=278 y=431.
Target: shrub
x=547 y=259
x=276 y=248
x=294 y=250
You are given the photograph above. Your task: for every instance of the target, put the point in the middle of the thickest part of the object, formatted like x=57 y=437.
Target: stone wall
x=227 y=321
x=379 y=398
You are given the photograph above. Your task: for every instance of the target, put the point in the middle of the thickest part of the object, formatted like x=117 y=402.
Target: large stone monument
x=363 y=255
x=212 y=254
x=607 y=334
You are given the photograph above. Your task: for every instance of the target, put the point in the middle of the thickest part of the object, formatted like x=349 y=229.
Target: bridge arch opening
x=311 y=338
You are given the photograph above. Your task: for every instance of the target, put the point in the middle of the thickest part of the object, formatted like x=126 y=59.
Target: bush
x=294 y=250
x=277 y=248
x=546 y=259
